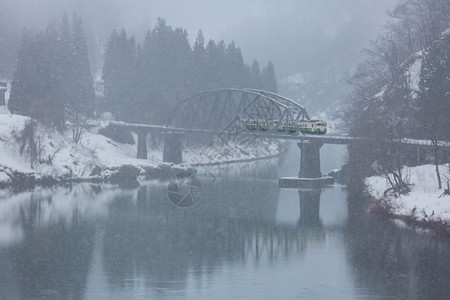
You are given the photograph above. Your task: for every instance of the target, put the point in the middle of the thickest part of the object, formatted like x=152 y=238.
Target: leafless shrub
x=78 y=126
x=391 y=166
x=27 y=142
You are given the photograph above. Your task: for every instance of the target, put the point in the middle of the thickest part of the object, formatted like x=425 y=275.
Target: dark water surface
x=245 y=238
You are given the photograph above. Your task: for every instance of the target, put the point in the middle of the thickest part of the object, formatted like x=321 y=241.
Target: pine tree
x=21 y=91
x=31 y=87
x=181 y=62
x=141 y=105
x=167 y=59
x=119 y=74
x=84 y=96
x=63 y=72
x=236 y=76
x=211 y=66
x=165 y=70
x=81 y=105
x=145 y=78
x=54 y=106
x=221 y=65
x=199 y=63
x=268 y=78
x=52 y=79
x=255 y=75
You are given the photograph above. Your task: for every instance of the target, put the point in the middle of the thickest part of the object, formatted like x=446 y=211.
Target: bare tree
x=390 y=163
x=27 y=141
x=78 y=125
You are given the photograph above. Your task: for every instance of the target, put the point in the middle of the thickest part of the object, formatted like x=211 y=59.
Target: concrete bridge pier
x=2 y=93
x=142 y=144
x=173 y=147
x=310 y=159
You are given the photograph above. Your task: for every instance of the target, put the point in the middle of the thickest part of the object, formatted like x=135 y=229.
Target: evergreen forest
x=142 y=82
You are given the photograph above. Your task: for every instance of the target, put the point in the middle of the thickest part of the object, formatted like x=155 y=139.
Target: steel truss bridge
x=222 y=113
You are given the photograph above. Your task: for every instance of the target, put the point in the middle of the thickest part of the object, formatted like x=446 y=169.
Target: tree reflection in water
x=53 y=259
x=395 y=261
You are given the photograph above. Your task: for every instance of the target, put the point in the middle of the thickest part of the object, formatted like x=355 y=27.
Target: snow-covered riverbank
x=51 y=156
x=425 y=204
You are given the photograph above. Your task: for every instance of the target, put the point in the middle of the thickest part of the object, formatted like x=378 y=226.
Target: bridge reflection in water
x=309 y=207
x=82 y=243
x=140 y=235
x=234 y=222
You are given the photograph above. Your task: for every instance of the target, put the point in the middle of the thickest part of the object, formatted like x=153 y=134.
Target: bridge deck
x=325 y=139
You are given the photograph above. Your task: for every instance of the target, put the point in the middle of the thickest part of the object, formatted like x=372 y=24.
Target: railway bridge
x=221 y=115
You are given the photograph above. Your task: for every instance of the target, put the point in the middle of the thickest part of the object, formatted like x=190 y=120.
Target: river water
x=245 y=238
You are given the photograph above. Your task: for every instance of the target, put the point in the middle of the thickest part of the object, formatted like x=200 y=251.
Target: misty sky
x=294 y=34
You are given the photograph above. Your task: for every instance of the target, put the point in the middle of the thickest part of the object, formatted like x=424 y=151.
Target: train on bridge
x=303 y=126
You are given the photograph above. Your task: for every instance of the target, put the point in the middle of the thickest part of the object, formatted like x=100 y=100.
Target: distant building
x=3 y=88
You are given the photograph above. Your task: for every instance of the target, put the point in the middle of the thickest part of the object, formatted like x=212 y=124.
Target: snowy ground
x=423 y=203
x=60 y=157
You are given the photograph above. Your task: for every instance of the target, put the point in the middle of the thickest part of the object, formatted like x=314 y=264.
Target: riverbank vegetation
x=425 y=205
x=400 y=91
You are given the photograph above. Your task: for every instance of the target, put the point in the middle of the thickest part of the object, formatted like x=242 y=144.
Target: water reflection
x=53 y=263
x=50 y=259
x=235 y=223
x=397 y=262
x=310 y=208
x=259 y=169
x=90 y=243
x=164 y=244
x=47 y=250
x=44 y=207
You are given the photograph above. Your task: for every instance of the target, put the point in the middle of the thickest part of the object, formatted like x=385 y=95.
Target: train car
x=254 y=124
x=304 y=126
x=287 y=126
x=313 y=126
x=262 y=125
x=251 y=124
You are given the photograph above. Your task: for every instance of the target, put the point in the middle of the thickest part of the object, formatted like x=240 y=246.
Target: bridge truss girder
x=216 y=109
